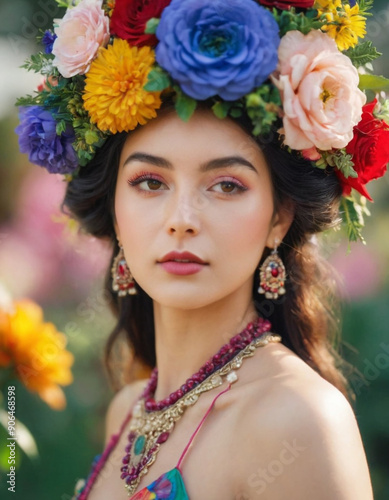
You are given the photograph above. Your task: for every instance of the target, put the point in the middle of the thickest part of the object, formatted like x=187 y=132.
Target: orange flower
x=36 y=352
x=114 y=94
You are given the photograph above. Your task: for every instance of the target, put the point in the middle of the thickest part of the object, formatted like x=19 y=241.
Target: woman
x=284 y=430
x=216 y=278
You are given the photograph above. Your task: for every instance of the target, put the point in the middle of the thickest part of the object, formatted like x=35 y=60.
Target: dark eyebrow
x=227 y=161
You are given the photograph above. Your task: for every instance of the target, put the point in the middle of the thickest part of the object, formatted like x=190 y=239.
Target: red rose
x=129 y=19
x=370 y=151
x=287 y=4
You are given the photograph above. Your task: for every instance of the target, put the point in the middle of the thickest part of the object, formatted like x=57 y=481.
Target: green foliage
x=29 y=100
x=353 y=212
x=221 y=109
x=185 y=105
x=374 y=82
x=263 y=108
x=60 y=127
x=289 y=20
x=152 y=25
x=341 y=160
x=363 y=53
x=382 y=111
x=40 y=63
x=157 y=80
x=65 y=3
x=365 y=6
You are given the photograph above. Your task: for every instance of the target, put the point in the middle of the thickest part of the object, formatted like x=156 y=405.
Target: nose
x=183 y=215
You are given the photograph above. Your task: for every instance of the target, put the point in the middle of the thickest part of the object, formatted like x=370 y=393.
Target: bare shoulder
x=120 y=405
x=304 y=437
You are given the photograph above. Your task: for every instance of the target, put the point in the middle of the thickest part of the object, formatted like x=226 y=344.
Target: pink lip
x=181 y=256
x=181 y=268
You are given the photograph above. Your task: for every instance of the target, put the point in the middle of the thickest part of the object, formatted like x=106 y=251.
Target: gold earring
x=122 y=279
x=272 y=276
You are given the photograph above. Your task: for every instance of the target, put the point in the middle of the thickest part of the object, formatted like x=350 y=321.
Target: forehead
x=202 y=138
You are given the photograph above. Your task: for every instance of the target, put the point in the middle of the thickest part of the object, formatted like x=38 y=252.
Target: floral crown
x=108 y=64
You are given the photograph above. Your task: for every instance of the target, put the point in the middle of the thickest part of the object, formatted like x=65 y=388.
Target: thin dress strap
x=199 y=426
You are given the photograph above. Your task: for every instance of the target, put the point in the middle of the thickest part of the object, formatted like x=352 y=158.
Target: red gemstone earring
x=272 y=276
x=122 y=279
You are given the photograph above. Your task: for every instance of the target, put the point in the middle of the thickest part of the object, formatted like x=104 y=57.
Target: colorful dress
x=169 y=486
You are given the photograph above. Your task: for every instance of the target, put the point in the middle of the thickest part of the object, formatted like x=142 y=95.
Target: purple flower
x=48 y=40
x=38 y=138
x=217 y=48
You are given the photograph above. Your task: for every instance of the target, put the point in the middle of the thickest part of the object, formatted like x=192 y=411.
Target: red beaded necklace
x=252 y=331
x=144 y=444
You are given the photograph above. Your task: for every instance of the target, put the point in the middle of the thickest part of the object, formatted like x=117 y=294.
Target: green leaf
x=158 y=80
x=262 y=107
x=220 y=109
x=373 y=82
x=352 y=212
x=365 y=6
x=363 y=53
x=289 y=20
x=382 y=111
x=185 y=106
x=344 y=163
x=64 y=3
x=236 y=113
x=60 y=127
x=41 y=63
x=91 y=137
x=28 y=101
x=151 y=26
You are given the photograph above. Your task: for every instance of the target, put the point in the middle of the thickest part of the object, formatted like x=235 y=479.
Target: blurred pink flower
x=39 y=257
x=360 y=271
x=319 y=90
x=81 y=32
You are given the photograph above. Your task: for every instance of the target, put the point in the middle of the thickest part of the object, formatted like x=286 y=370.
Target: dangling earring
x=122 y=280
x=272 y=276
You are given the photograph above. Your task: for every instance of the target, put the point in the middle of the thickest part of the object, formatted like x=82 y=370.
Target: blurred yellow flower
x=35 y=351
x=114 y=95
x=327 y=4
x=345 y=24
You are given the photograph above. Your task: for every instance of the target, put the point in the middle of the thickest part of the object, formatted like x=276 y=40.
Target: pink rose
x=80 y=33
x=319 y=91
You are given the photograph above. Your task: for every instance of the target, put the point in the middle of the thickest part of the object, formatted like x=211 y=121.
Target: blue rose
x=38 y=138
x=224 y=48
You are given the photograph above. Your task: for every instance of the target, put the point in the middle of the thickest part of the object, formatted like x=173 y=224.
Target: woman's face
x=200 y=186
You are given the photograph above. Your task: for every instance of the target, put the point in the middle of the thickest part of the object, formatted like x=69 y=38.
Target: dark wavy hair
x=307 y=316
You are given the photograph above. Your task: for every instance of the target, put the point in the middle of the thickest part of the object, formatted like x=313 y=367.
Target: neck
x=186 y=339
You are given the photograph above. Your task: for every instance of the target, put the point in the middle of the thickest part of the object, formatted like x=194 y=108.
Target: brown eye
x=229 y=185
x=146 y=183
x=153 y=184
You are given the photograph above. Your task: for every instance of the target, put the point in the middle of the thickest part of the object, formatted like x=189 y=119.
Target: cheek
x=125 y=212
x=246 y=228
x=136 y=222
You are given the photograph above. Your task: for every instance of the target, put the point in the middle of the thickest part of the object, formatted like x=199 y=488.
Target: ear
x=117 y=232
x=282 y=220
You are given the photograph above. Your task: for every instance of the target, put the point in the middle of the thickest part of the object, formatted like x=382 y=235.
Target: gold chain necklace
x=148 y=430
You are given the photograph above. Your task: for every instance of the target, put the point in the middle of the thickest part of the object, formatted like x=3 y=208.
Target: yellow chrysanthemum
x=114 y=94
x=345 y=24
x=35 y=351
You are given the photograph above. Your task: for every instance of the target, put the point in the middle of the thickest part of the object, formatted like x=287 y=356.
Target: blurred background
x=44 y=259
